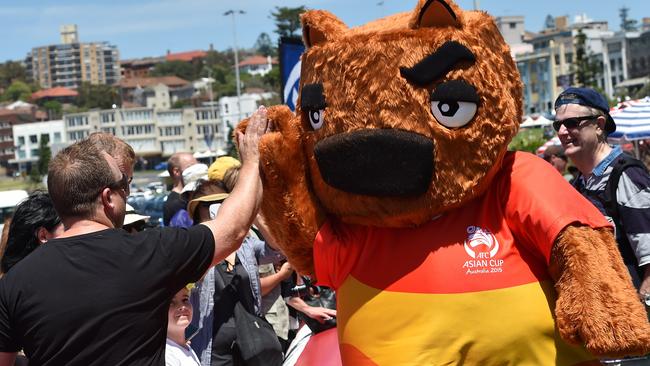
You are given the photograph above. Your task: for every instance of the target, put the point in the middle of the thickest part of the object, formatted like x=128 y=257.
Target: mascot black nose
x=377 y=162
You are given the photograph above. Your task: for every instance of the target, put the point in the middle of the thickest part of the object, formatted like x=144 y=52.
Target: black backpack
x=610 y=205
x=622 y=162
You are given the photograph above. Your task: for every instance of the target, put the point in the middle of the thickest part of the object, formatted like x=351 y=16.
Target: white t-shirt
x=177 y=355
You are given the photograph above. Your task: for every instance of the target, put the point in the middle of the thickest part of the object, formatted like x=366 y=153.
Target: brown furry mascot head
x=405 y=117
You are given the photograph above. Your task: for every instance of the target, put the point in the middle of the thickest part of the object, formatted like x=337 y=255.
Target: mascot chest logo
x=481 y=246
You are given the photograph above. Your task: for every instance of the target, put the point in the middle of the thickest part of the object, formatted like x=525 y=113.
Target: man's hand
x=247 y=142
x=644 y=289
x=286 y=270
x=320 y=314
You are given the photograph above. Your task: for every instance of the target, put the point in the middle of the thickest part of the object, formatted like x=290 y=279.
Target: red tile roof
x=57 y=92
x=186 y=56
x=256 y=60
x=171 y=81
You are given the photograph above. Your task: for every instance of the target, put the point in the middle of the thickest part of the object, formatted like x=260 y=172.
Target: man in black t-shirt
x=97 y=295
x=176 y=164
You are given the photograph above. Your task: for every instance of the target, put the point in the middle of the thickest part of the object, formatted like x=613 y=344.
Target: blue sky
x=151 y=27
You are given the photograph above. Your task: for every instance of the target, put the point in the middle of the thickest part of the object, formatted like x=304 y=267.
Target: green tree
x=527 y=140
x=224 y=58
x=587 y=68
x=627 y=24
x=287 y=20
x=272 y=79
x=264 y=45
x=182 y=69
x=224 y=81
x=96 y=96
x=11 y=71
x=44 y=154
x=53 y=109
x=18 y=90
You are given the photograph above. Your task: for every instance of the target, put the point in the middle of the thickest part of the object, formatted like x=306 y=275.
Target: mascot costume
x=392 y=183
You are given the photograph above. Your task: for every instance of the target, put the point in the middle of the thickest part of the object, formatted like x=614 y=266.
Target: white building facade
x=157 y=132
x=27 y=138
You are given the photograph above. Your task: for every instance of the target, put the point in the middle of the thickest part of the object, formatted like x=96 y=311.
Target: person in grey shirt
x=583 y=124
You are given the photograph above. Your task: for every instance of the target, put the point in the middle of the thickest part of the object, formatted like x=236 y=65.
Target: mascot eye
x=453 y=113
x=316 y=118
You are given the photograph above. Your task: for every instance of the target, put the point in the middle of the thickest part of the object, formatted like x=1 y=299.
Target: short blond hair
x=115 y=147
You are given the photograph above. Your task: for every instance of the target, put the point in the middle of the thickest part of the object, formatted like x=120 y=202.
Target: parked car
x=149 y=205
x=8 y=202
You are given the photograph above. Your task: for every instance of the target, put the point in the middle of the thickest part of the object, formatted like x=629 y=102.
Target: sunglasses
x=123 y=183
x=573 y=122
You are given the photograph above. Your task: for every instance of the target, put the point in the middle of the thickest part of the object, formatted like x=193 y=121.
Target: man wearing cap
x=582 y=122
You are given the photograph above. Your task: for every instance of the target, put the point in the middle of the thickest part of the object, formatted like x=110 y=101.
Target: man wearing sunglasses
x=617 y=184
x=97 y=295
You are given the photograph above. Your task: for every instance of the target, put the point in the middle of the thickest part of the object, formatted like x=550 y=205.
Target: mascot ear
x=320 y=27
x=435 y=13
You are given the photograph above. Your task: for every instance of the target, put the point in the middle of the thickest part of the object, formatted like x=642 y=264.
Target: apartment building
x=71 y=62
x=550 y=67
x=8 y=118
x=152 y=132
x=158 y=133
x=28 y=137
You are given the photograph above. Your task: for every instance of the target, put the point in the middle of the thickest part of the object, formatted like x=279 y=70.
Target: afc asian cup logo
x=477 y=237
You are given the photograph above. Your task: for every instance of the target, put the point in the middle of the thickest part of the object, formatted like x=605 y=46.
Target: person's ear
x=107 y=198
x=42 y=235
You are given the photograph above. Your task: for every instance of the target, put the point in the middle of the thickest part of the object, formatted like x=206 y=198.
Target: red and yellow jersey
x=470 y=287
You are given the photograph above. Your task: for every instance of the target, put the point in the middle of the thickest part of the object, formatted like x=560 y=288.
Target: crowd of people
x=106 y=289
x=211 y=287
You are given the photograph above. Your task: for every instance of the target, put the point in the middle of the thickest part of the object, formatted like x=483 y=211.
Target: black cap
x=590 y=98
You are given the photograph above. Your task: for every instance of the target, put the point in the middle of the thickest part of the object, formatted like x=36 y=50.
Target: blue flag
x=290 y=51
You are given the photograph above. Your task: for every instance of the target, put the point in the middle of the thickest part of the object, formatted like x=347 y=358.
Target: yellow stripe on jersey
x=498 y=327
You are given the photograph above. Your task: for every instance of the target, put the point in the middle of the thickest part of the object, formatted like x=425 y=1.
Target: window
x=74 y=121
x=33 y=139
x=77 y=135
x=57 y=137
x=513 y=25
x=171 y=131
x=107 y=117
x=203 y=114
x=21 y=140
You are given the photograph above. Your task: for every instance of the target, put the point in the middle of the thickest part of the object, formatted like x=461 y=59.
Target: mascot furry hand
x=393 y=185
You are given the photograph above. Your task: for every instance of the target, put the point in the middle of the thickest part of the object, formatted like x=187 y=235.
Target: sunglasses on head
x=572 y=122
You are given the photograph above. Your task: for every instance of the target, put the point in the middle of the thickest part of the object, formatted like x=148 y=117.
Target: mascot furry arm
x=404 y=123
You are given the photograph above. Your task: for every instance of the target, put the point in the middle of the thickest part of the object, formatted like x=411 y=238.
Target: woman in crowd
x=238 y=272
x=177 y=349
x=133 y=221
x=34 y=222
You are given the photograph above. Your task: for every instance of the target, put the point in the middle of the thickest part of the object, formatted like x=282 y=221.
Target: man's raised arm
x=236 y=214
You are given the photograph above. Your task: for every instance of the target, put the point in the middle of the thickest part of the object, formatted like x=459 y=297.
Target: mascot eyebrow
x=437 y=64
x=312 y=97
